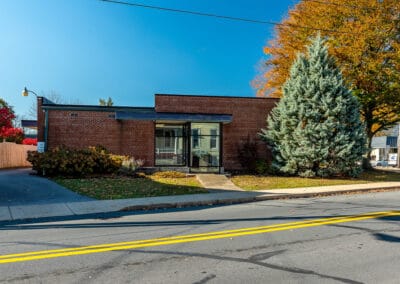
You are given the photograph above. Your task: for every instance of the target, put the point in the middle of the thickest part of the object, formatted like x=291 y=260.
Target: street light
x=26 y=92
x=41 y=145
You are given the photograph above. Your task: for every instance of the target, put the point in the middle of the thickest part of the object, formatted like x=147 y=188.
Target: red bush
x=11 y=134
x=6 y=117
x=30 y=141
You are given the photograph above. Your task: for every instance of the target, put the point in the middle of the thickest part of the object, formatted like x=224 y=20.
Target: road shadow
x=110 y=220
x=387 y=238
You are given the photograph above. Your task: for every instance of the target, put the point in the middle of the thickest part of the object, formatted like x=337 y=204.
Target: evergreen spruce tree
x=315 y=129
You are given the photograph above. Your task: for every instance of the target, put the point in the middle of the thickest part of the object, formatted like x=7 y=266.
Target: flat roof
x=211 y=96
x=28 y=123
x=96 y=108
x=49 y=105
x=180 y=117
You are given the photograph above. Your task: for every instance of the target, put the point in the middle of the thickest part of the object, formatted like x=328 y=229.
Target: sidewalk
x=19 y=212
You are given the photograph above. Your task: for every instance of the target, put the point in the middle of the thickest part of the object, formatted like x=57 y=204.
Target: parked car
x=379 y=163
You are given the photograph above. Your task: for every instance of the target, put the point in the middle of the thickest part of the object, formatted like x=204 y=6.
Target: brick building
x=192 y=133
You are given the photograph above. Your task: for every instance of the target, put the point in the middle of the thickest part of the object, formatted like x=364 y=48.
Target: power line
x=191 y=12
x=219 y=16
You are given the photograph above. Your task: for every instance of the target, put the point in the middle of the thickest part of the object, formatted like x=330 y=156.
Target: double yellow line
x=35 y=255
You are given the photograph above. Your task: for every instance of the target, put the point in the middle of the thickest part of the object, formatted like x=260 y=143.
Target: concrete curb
x=249 y=199
x=96 y=207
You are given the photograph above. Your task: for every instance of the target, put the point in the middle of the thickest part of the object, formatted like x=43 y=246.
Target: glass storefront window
x=170 y=145
x=199 y=149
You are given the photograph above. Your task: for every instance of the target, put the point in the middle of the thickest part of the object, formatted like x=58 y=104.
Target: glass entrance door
x=205 y=147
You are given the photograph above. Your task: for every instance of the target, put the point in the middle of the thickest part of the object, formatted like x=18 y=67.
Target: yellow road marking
x=35 y=255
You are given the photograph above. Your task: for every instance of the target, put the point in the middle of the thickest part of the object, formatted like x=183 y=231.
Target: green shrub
x=247 y=154
x=250 y=160
x=169 y=174
x=64 y=161
x=262 y=167
x=366 y=164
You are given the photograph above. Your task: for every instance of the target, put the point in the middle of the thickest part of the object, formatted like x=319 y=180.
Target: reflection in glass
x=170 y=145
x=205 y=145
x=205 y=128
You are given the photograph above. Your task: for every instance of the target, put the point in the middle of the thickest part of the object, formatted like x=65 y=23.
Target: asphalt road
x=263 y=242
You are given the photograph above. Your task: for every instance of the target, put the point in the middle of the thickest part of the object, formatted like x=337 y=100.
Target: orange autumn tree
x=364 y=37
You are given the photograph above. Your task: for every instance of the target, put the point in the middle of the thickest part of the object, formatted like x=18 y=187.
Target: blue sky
x=87 y=49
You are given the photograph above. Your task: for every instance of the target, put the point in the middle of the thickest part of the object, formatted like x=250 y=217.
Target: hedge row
x=64 y=161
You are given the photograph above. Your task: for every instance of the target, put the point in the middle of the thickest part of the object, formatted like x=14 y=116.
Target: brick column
x=40 y=119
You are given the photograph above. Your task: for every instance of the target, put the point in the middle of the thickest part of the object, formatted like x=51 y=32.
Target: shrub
x=247 y=154
x=29 y=141
x=366 y=164
x=262 y=167
x=11 y=134
x=129 y=165
x=64 y=161
x=6 y=115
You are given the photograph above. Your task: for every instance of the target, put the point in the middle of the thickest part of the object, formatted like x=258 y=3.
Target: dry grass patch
x=251 y=182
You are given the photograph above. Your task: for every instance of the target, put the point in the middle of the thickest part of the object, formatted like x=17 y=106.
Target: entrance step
x=214 y=181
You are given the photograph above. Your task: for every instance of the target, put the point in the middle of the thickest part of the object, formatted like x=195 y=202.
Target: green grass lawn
x=124 y=187
x=251 y=182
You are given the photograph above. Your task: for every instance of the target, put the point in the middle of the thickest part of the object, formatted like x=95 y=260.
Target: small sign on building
x=41 y=146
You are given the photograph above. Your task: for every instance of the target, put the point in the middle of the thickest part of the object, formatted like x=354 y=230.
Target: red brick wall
x=136 y=138
x=91 y=128
x=249 y=116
